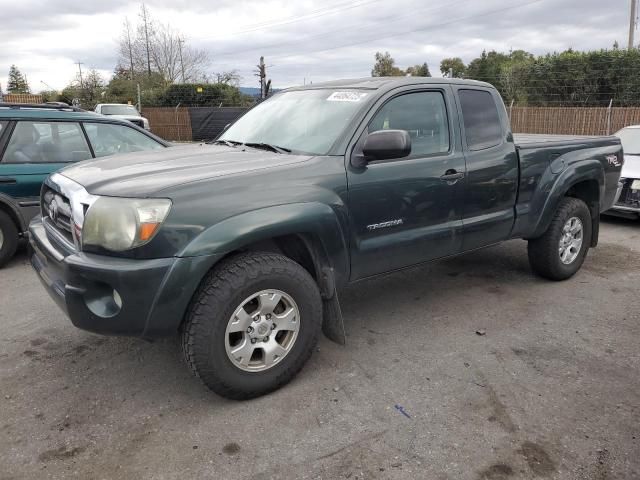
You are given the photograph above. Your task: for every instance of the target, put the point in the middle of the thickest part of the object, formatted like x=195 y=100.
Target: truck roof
x=387 y=83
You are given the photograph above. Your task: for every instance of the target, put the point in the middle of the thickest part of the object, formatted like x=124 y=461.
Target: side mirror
x=387 y=145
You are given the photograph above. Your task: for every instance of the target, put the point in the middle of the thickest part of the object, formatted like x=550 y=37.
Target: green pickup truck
x=242 y=245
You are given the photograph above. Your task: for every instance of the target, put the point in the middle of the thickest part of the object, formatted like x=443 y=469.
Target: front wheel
x=559 y=253
x=252 y=325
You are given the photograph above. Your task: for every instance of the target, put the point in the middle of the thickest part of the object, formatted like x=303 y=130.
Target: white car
x=629 y=201
x=123 y=111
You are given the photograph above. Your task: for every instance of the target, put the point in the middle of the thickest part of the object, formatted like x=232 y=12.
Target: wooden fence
x=175 y=123
x=21 y=98
x=573 y=120
x=169 y=123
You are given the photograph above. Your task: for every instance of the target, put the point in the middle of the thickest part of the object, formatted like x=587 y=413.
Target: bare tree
x=127 y=48
x=231 y=77
x=173 y=58
x=145 y=32
x=159 y=49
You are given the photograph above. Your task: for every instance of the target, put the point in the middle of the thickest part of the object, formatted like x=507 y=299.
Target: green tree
x=453 y=65
x=123 y=89
x=17 y=82
x=385 y=66
x=202 y=95
x=50 y=96
x=487 y=67
x=568 y=78
x=86 y=92
x=419 y=70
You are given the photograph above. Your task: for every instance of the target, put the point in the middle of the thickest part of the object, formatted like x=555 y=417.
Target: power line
x=379 y=37
x=330 y=33
x=308 y=16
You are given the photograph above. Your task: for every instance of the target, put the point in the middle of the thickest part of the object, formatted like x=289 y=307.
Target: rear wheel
x=559 y=253
x=252 y=325
x=8 y=238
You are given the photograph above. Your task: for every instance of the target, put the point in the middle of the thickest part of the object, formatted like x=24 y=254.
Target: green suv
x=36 y=140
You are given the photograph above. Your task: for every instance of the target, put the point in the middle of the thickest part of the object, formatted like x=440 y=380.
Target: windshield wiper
x=268 y=146
x=228 y=143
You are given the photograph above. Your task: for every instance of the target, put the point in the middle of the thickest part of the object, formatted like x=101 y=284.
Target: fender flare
x=313 y=221
x=586 y=170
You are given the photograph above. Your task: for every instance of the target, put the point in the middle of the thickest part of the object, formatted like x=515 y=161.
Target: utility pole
x=180 y=42
x=632 y=22
x=80 y=72
x=262 y=74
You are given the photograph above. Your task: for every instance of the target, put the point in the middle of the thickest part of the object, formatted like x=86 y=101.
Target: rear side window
x=46 y=142
x=107 y=139
x=481 y=120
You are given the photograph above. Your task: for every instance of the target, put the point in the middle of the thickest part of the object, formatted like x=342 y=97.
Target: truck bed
x=534 y=140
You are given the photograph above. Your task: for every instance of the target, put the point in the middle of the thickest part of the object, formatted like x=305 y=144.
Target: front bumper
x=116 y=296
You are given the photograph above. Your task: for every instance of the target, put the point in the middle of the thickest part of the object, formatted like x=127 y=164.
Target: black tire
x=221 y=292
x=543 y=251
x=9 y=238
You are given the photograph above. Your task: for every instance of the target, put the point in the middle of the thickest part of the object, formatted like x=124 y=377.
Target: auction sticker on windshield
x=346 y=96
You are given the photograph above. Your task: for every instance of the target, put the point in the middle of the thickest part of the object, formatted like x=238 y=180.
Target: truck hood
x=143 y=174
x=631 y=167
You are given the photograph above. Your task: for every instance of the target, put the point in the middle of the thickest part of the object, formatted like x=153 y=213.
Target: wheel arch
x=308 y=233
x=583 y=180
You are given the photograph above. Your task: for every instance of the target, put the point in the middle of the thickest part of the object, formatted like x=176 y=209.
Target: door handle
x=7 y=180
x=452 y=176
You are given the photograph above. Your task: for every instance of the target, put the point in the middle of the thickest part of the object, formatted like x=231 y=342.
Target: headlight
x=120 y=224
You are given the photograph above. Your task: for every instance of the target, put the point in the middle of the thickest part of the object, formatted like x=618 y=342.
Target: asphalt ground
x=550 y=388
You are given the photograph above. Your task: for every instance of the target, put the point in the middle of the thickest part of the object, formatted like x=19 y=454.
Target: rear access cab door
x=490 y=186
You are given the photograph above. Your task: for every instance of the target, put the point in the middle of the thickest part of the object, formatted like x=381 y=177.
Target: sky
x=304 y=40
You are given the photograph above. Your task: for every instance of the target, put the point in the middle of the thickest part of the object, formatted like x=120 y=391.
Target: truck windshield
x=304 y=121
x=119 y=110
x=630 y=139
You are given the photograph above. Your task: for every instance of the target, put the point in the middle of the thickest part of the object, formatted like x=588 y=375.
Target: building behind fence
x=206 y=123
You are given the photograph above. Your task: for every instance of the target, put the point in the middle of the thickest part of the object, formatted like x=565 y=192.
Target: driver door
x=408 y=210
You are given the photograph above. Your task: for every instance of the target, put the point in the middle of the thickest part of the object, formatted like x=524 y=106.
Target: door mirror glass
x=387 y=145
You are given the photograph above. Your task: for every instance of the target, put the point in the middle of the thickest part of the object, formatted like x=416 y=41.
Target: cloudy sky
x=301 y=40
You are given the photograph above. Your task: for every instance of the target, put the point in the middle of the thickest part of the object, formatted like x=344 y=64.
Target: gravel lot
x=551 y=390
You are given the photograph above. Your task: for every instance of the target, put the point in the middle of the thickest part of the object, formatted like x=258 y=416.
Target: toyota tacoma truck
x=242 y=245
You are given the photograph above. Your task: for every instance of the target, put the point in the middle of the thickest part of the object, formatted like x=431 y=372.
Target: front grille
x=628 y=197
x=57 y=209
